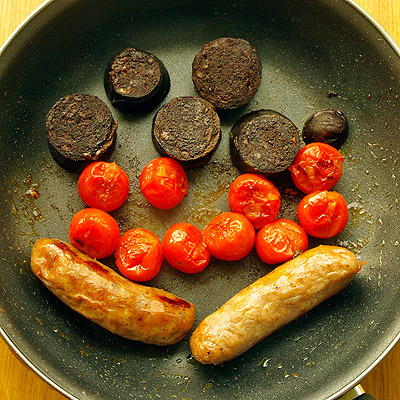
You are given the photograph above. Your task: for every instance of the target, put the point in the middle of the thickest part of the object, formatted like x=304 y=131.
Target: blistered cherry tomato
x=229 y=236
x=139 y=255
x=163 y=182
x=317 y=166
x=94 y=232
x=184 y=248
x=280 y=241
x=256 y=198
x=323 y=214
x=103 y=185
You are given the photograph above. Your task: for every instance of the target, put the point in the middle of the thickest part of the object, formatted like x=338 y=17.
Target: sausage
x=271 y=302
x=130 y=310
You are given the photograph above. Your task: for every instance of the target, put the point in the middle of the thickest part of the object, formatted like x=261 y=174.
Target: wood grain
x=19 y=383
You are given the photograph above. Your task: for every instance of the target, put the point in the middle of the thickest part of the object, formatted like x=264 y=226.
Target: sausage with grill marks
x=128 y=309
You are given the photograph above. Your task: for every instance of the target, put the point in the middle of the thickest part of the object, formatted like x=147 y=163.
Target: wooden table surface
x=19 y=383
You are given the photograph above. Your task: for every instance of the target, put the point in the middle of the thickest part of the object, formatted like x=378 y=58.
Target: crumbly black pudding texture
x=136 y=80
x=227 y=72
x=264 y=142
x=187 y=129
x=326 y=126
x=80 y=129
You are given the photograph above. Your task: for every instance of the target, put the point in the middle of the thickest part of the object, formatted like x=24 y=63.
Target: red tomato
x=139 y=255
x=317 y=166
x=94 y=232
x=184 y=248
x=323 y=214
x=280 y=241
x=163 y=182
x=256 y=198
x=103 y=185
x=229 y=236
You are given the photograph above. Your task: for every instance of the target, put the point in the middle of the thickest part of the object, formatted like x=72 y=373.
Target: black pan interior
x=315 y=55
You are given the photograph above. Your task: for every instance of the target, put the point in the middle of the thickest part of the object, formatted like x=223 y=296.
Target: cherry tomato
x=255 y=197
x=280 y=241
x=229 y=236
x=139 y=255
x=317 y=166
x=163 y=182
x=184 y=248
x=103 y=185
x=323 y=214
x=94 y=232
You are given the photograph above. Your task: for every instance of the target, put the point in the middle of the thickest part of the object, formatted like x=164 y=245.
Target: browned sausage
x=125 y=308
x=274 y=300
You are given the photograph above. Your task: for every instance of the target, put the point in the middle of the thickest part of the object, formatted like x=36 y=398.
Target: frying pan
x=316 y=55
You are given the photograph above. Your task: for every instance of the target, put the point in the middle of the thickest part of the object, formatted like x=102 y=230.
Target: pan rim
x=21 y=356
x=396 y=339
x=12 y=346
x=374 y=23
x=23 y=24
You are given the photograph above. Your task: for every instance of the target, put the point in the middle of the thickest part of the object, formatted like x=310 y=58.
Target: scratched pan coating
x=315 y=55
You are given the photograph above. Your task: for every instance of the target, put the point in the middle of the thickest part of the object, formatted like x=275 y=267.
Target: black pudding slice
x=80 y=129
x=264 y=142
x=187 y=129
x=227 y=72
x=326 y=126
x=136 y=80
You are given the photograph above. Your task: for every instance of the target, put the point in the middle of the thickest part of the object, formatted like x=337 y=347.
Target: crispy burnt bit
x=227 y=72
x=136 y=80
x=264 y=142
x=326 y=126
x=80 y=129
x=187 y=129
x=94 y=265
x=176 y=302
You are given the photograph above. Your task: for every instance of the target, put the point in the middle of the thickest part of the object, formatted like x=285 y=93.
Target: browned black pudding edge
x=227 y=72
x=80 y=129
x=326 y=126
x=264 y=142
x=149 y=87
x=187 y=129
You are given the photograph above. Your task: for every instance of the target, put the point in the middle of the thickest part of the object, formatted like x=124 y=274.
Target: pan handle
x=357 y=393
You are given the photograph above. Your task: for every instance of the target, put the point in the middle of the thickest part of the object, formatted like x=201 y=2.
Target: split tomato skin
x=323 y=214
x=163 y=182
x=256 y=198
x=103 y=185
x=94 y=232
x=317 y=166
x=280 y=241
x=139 y=255
x=184 y=248
x=229 y=236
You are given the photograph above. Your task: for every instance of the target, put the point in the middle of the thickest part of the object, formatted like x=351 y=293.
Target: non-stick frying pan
x=315 y=55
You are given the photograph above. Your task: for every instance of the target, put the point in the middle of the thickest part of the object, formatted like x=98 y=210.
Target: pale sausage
x=271 y=302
